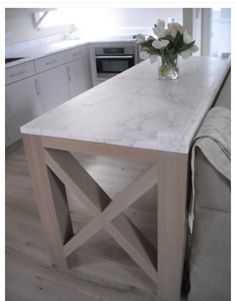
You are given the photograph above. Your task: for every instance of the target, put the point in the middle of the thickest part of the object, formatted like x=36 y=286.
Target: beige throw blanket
x=214 y=140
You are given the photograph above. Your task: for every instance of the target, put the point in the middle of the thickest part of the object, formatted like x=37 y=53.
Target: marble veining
x=136 y=109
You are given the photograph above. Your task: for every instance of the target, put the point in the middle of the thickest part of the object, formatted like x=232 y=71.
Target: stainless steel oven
x=113 y=60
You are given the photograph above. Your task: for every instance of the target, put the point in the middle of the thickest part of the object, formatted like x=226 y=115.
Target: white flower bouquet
x=171 y=40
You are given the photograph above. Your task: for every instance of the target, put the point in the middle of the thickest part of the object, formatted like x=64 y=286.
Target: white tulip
x=140 y=38
x=179 y=27
x=160 y=23
x=187 y=38
x=153 y=58
x=174 y=28
x=159 y=29
x=195 y=48
x=186 y=53
x=160 y=44
x=160 y=33
x=144 y=55
x=166 y=32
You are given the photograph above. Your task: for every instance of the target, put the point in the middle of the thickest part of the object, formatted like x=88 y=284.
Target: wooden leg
x=51 y=201
x=172 y=195
x=172 y=178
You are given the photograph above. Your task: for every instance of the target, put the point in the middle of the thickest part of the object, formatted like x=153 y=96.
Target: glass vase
x=168 y=68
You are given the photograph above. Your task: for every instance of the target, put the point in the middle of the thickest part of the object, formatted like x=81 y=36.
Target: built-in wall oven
x=112 y=60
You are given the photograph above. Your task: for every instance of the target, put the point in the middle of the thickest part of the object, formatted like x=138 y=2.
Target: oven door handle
x=114 y=56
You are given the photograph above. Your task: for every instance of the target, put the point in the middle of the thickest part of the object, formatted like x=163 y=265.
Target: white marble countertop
x=136 y=109
x=33 y=53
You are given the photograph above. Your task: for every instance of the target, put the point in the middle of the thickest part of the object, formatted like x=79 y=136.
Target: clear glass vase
x=168 y=68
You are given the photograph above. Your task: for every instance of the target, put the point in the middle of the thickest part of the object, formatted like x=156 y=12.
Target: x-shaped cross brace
x=106 y=213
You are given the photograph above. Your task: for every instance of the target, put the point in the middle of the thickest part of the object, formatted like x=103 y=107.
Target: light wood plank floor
x=104 y=271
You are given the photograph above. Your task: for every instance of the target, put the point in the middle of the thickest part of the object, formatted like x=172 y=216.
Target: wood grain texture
x=76 y=177
x=94 y=198
x=104 y=271
x=54 y=214
x=92 y=148
x=171 y=207
x=122 y=200
x=171 y=219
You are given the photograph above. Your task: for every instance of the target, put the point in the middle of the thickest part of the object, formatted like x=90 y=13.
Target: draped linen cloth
x=214 y=141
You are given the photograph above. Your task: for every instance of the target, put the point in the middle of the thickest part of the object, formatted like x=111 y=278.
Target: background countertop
x=36 y=52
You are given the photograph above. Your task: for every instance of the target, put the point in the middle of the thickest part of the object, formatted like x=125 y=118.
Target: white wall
x=19 y=26
x=89 y=21
x=143 y=17
x=118 y=20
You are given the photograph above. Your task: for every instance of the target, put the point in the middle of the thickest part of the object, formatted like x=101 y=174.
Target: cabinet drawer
x=76 y=53
x=19 y=72
x=49 y=62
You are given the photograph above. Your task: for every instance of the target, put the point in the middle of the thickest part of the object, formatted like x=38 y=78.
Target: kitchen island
x=137 y=117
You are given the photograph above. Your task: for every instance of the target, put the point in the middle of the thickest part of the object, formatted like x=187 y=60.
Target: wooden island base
x=53 y=169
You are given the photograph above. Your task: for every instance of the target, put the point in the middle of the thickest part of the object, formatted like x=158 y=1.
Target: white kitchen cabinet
x=19 y=72
x=49 y=62
x=79 y=76
x=35 y=87
x=52 y=87
x=22 y=105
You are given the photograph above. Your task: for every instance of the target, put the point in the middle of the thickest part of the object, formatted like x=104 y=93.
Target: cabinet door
x=22 y=105
x=79 y=76
x=53 y=87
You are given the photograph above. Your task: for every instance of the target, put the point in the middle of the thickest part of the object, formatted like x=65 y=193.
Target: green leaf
x=171 y=55
x=150 y=37
x=153 y=50
x=147 y=43
x=170 y=38
x=178 y=41
x=186 y=46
